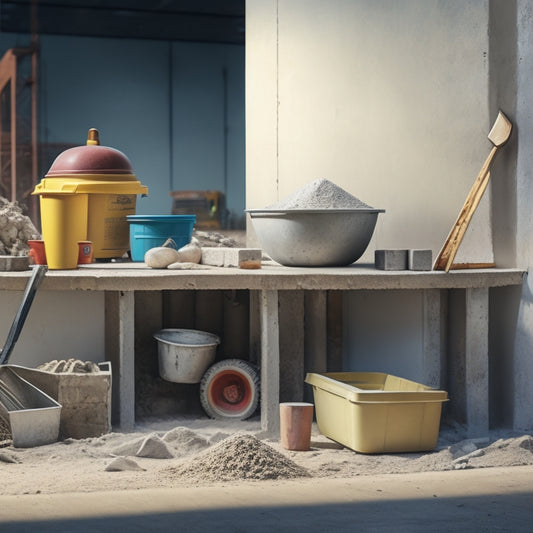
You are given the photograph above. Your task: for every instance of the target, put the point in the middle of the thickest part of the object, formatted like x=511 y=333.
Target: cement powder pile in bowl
x=320 y=194
x=318 y=225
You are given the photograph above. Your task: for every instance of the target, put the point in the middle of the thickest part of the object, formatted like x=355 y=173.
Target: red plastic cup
x=37 y=252
x=85 y=253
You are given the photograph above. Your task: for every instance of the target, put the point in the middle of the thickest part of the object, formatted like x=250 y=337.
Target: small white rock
x=190 y=253
x=153 y=446
x=160 y=257
x=121 y=464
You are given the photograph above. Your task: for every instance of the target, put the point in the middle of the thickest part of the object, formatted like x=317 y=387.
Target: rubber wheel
x=230 y=389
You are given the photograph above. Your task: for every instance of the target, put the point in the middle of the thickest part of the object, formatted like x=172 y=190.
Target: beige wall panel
x=387 y=99
x=261 y=103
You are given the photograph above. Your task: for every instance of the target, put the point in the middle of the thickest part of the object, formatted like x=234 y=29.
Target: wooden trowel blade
x=501 y=130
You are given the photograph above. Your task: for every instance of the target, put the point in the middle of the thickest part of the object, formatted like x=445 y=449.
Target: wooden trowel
x=498 y=135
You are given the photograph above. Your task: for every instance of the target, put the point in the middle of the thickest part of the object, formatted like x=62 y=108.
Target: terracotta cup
x=37 y=252
x=296 y=419
x=85 y=252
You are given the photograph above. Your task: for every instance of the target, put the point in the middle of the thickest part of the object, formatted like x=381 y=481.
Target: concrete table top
x=128 y=276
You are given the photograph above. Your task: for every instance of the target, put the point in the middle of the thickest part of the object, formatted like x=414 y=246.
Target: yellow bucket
x=86 y=196
x=66 y=224
x=102 y=219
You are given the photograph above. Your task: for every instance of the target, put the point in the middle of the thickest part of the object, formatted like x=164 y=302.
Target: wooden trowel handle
x=451 y=245
x=463 y=225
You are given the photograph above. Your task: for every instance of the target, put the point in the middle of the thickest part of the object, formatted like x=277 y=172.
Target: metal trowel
x=33 y=284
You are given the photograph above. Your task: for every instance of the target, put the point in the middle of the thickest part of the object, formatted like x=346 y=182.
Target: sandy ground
x=196 y=452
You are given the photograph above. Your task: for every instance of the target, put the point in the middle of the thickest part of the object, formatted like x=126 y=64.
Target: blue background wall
x=176 y=109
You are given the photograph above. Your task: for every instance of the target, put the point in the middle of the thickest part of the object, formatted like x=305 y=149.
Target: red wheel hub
x=230 y=391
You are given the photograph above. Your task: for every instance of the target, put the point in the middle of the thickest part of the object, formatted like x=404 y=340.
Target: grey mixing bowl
x=314 y=237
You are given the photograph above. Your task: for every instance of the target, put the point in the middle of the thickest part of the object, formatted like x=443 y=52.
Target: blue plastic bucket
x=150 y=231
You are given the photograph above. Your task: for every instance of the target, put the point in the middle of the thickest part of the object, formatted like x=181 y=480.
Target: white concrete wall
x=60 y=325
x=387 y=99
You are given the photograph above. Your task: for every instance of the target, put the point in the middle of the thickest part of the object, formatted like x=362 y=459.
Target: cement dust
x=15 y=229
x=185 y=451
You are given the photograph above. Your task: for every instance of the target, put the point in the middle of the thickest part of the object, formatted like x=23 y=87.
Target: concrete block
x=390 y=259
x=213 y=256
x=243 y=257
x=232 y=257
x=420 y=260
x=85 y=399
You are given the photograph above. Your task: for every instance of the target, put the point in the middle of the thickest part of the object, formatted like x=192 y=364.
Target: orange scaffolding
x=18 y=128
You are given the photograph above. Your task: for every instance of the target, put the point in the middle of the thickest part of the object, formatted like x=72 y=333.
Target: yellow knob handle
x=93 y=137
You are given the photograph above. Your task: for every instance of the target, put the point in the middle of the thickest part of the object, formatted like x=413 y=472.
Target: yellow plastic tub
x=372 y=412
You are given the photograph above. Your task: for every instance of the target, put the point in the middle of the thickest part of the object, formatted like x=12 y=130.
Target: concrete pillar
x=477 y=362
x=120 y=350
x=269 y=362
x=432 y=339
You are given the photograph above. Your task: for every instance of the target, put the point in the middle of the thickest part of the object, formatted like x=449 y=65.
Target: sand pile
x=177 y=442
x=15 y=229
x=503 y=452
x=69 y=366
x=320 y=194
x=239 y=457
x=185 y=441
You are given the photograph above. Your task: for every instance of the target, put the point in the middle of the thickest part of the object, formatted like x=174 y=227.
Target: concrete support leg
x=120 y=350
x=477 y=362
x=269 y=362
x=432 y=339
x=316 y=346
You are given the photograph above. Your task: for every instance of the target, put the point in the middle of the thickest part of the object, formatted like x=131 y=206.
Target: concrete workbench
x=120 y=281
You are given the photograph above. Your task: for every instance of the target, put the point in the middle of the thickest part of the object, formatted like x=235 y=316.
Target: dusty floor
x=198 y=452
x=477 y=500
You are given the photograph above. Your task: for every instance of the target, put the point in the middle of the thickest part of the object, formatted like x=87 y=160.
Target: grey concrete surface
x=491 y=499
x=138 y=277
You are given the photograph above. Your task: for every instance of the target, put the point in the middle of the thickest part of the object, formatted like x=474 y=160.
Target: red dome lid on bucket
x=91 y=160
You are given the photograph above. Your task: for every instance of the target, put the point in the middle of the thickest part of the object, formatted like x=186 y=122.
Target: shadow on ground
x=480 y=513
